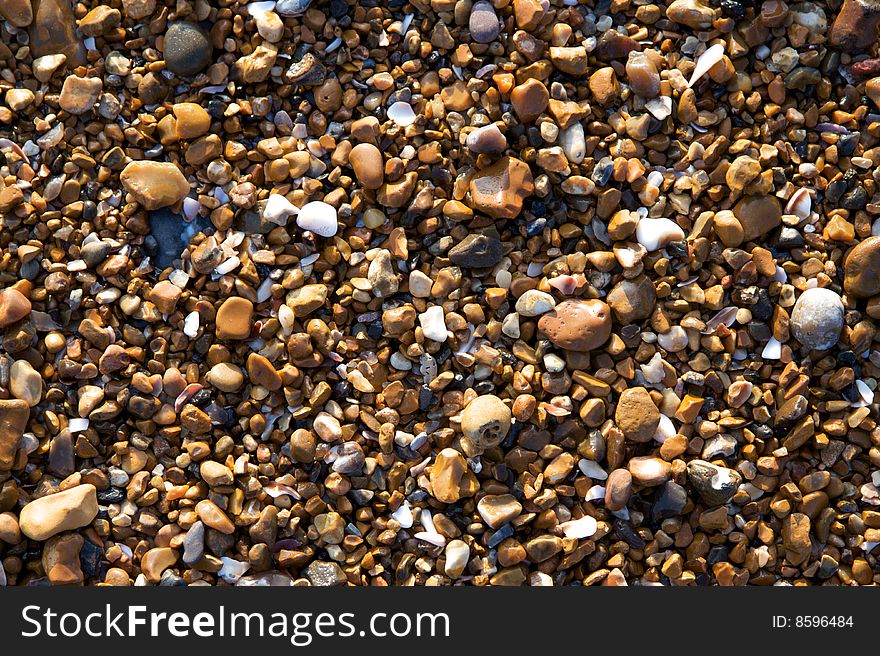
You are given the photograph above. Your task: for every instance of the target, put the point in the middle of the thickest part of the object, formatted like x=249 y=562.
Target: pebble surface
x=331 y=293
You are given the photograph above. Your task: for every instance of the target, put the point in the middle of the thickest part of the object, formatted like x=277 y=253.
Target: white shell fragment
x=706 y=61
x=581 y=528
x=318 y=217
x=278 y=208
x=402 y=113
x=232 y=569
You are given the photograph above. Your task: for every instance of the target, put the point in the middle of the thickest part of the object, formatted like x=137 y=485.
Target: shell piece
x=706 y=61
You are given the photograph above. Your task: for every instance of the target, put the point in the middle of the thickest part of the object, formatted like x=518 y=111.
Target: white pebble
x=402 y=114
x=595 y=493
x=665 y=429
x=674 y=340
x=228 y=266
x=773 y=350
x=706 y=61
x=318 y=217
x=654 y=234
x=580 y=528
x=433 y=323
x=191 y=324
x=232 y=569
x=404 y=515
x=573 y=143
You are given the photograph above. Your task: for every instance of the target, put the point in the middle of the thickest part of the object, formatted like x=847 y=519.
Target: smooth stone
x=483 y=23
x=194 y=543
x=654 y=234
x=192 y=120
x=25 y=382
x=157 y=560
x=10 y=533
x=306 y=299
x=649 y=470
x=488 y=140
x=225 y=377
x=213 y=517
x=44 y=67
x=577 y=325
x=457 y=554
x=154 y=184
x=498 y=509
x=529 y=100
x=433 y=323
x=402 y=114
x=14 y=415
x=292 y=8
x=861 y=269
x=817 y=319
x=323 y=574
x=19 y=99
x=187 y=49
x=262 y=372
x=485 y=421
x=669 y=502
x=100 y=20
x=637 y=415
x=715 y=485
x=632 y=300
x=573 y=143
x=758 y=215
x=500 y=189
x=53 y=32
x=366 y=160
x=618 y=489
x=534 y=303
x=318 y=217
x=14 y=306
x=382 y=276
x=278 y=209
x=234 y=318
x=63 y=511
x=796 y=538
x=674 y=340
x=477 y=251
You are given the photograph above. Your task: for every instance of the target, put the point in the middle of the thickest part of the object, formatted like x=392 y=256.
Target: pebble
x=433 y=323
x=154 y=184
x=618 y=489
x=63 y=511
x=632 y=300
x=187 y=49
x=457 y=554
x=498 y=509
x=499 y=190
x=817 y=319
x=79 y=94
x=534 y=303
x=483 y=23
x=25 y=383
x=318 y=217
x=715 y=485
x=487 y=140
x=577 y=325
x=649 y=471
x=14 y=306
x=486 y=421
x=861 y=269
x=17 y=12
x=14 y=415
x=450 y=477
x=654 y=234
x=234 y=318
x=366 y=160
x=637 y=415
x=477 y=251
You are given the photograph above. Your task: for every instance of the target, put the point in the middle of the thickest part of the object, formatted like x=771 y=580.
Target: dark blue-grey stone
x=169 y=236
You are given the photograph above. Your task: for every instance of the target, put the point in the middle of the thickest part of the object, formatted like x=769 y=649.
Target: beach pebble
x=318 y=217
x=817 y=319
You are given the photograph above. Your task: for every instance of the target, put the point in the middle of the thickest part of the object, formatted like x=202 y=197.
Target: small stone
x=255 y=67
x=433 y=323
x=796 y=538
x=157 y=560
x=53 y=31
x=100 y=20
x=137 y=9
x=366 y=160
x=331 y=527
x=270 y=26
x=637 y=415
x=715 y=485
x=318 y=217
x=529 y=100
x=234 y=318
x=488 y=139
x=577 y=325
x=691 y=13
x=164 y=295
x=307 y=299
x=25 y=383
x=226 y=377
x=14 y=415
x=861 y=269
x=215 y=474
x=261 y=372
x=477 y=251
x=323 y=574
x=192 y=120
x=649 y=470
x=758 y=215
x=61 y=561
x=450 y=477
x=44 y=67
x=10 y=533
x=63 y=511
x=534 y=303
x=529 y=13
x=483 y=23
x=632 y=300
x=187 y=49
x=382 y=276
x=14 y=306
x=499 y=190
x=485 y=421
x=19 y=99
x=618 y=489
x=817 y=319
x=154 y=184
x=194 y=543
x=213 y=517
x=654 y=234
x=497 y=510
x=79 y=94
x=457 y=555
